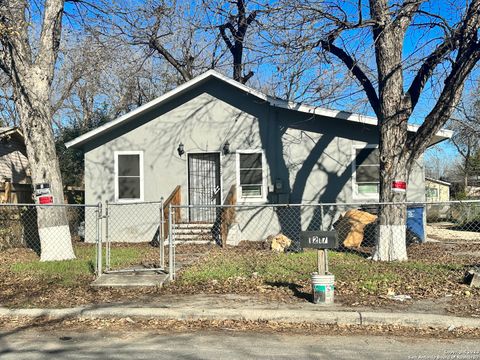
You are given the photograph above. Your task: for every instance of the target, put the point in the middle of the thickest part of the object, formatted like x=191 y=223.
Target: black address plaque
x=318 y=239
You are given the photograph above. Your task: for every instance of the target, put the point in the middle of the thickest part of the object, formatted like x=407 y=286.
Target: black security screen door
x=204 y=185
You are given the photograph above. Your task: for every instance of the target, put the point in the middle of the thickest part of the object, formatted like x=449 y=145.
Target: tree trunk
x=31 y=67
x=393 y=113
x=393 y=106
x=466 y=174
x=35 y=113
x=391 y=242
x=237 y=61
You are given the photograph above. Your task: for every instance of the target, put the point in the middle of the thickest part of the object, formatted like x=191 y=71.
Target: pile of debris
x=278 y=243
x=351 y=227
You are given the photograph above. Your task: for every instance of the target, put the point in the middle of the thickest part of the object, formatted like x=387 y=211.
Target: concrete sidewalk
x=245 y=308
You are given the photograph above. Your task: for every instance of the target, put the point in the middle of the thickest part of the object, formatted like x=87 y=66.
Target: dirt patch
x=445 y=232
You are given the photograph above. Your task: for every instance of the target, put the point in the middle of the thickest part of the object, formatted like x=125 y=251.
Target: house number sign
x=318 y=239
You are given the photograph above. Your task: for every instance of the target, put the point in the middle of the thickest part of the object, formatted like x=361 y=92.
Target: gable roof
x=275 y=102
x=437 y=181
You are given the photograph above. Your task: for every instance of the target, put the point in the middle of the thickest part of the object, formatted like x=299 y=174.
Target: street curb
x=322 y=316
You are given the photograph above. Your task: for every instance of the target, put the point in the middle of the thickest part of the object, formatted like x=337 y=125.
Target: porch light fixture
x=180 y=149
x=226 y=148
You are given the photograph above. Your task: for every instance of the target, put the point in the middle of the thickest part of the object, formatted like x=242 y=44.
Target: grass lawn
x=434 y=271
x=353 y=273
x=78 y=271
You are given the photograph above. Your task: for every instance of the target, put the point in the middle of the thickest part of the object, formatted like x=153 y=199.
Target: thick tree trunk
x=391 y=242
x=393 y=113
x=34 y=108
x=31 y=73
x=393 y=106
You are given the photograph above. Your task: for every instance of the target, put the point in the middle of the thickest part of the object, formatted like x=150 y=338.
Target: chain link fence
x=53 y=232
x=256 y=229
x=147 y=236
x=114 y=237
x=134 y=237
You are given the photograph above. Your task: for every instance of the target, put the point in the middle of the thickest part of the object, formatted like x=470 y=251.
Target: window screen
x=128 y=176
x=367 y=171
x=251 y=175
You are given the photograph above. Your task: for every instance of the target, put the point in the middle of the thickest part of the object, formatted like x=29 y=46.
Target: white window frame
x=355 y=194
x=129 y=152
x=252 y=199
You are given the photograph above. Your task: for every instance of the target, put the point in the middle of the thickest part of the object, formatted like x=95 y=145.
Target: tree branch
x=447 y=101
x=241 y=10
x=426 y=70
x=155 y=45
x=353 y=66
x=458 y=38
x=467 y=57
x=247 y=77
x=251 y=17
x=225 y=38
x=50 y=36
x=408 y=9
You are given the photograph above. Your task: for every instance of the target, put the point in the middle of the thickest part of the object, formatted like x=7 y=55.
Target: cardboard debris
x=351 y=227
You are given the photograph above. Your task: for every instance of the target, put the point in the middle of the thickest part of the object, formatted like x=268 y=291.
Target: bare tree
x=29 y=62
x=8 y=114
x=169 y=31
x=187 y=35
x=340 y=29
x=102 y=75
x=237 y=26
x=439 y=163
x=466 y=139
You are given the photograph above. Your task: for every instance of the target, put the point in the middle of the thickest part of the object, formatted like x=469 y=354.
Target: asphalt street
x=226 y=345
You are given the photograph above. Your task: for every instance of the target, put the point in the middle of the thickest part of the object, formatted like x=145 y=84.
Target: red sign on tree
x=399 y=186
x=45 y=200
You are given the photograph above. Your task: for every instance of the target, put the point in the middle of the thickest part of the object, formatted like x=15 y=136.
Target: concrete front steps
x=193 y=233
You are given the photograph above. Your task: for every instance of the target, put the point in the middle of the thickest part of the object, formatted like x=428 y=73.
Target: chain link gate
x=133 y=238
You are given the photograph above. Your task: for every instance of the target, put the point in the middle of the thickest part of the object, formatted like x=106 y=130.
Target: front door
x=203 y=185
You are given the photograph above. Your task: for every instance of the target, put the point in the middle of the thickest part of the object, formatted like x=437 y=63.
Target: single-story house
x=15 y=181
x=212 y=133
x=437 y=190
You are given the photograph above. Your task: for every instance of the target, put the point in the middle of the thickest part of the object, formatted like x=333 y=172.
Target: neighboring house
x=14 y=170
x=212 y=133
x=437 y=190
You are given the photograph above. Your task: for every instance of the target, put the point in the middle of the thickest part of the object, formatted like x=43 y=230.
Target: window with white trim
x=432 y=193
x=129 y=175
x=251 y=179
x=366 y=170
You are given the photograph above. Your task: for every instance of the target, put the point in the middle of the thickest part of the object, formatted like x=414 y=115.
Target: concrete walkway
x=131 y=279
x=245 y=308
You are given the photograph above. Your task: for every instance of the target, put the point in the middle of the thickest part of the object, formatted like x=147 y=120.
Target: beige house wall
x=435 y=191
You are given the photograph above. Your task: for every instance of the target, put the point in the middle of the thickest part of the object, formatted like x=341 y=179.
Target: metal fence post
x=107 y=239
x=321 y=217
x=171 y=266
x=99 y=240
x=161 y=236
